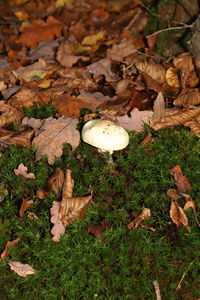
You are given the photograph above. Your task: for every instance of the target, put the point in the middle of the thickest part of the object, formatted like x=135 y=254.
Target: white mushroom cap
x=105 y=135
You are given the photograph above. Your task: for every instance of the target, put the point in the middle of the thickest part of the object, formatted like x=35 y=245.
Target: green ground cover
x=126 y=263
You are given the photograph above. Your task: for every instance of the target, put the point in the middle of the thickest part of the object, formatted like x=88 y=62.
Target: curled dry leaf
x=58 y=229
x=188 y=97
x=55 y=182
x=145 y=213
x=21 y=269
x=172 y=77
x=41 y=194
x=181 y=181
x=176 y=119
x=147 y=140
x=25 y=205
x=9 y=244
x=22 y=171
x=154 y=70
x=178 y=216
x=191 y=204
x=173 y=194
x=194 y=127
x=9 y=115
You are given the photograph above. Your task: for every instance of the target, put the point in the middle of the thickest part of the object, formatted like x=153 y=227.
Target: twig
x=157 y=289
x=170 y=28
x=179 y=284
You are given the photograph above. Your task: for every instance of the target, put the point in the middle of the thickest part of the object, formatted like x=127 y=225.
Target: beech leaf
x=178 y=216
x=22 y=270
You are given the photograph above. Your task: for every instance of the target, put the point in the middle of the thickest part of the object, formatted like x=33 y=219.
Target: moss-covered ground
x=127 y=262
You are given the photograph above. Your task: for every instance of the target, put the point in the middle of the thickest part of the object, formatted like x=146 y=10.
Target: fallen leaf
x=32 y=216
x=136 y=121
x=188 y=97
x=40 y=31
x=30 y=72
x=66 y=57
x=119 y=51
x=54 y=133
x=159 y=107
x=191 y=204
x=22 y=270
x=9 y=244
x=145 y=213
x=171 y=76
x=97 y=231
x=154 y=70
x=178 y=216
x=173 y=194
x=181 y=181
x=9 y=115
x=194 y=127
x=182 y=117
x=25 y=205
x=102 y=67
x=58 y=229
x=93 y=39
x=22 y=171
x=55 y=182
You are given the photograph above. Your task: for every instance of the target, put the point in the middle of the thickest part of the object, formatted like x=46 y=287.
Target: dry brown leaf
x=40 y=31
x=145 y=213
x=25 y=205
x=185 y=64
x=158 y=107
x=154 y=70
x=41 y=194
x=32 y=216
x=188 y=97
x=68 y=210
x=10 y=137
x=136 y=121
x=173 y=194
x=97 y=231
x=176 y=119
x=66 y=57
x=30 y=72
x=54 y=133
x=22 y=270
x=101 y=67
x=9 y=244
x=55 y=182
x=147 y=140
x=58 y=229
x=119 y=51
x=181 y=181
x=9 y=115
x=194 y=127
x=22 y=171
x=172 y=77
x=178 y=216
x=191 y=204
x=27 y=98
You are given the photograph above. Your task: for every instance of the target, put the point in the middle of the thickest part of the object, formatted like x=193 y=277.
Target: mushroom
x=105 y=135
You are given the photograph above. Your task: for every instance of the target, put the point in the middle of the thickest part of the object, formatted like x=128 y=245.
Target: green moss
x=126 y=263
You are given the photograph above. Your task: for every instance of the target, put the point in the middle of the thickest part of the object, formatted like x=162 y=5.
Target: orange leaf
x=181 y=181
x=40 y=31
x=178 y=216
x=6 y=252
x=25 y=205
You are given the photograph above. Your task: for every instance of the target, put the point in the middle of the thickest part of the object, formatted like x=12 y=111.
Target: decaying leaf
x=145 y=213
x=172 y=77
x=54 y=133
x=194 y=127
x=191 y=204
x=159 y=108
x=97 y=231
x=25 y=205
x=56 y=181
x=22 y=171
x=40 y=31
x=68 y=210
x=9 y=115
x=58 y=228
x=178 y=216
x=176 y=119
x=9 y=244
x=22 y=270
x=136 y=121
x=154 y=70
x=173 y=194
x=181 y=181
x=188 y=97
x=119 y=51
x=102 y=67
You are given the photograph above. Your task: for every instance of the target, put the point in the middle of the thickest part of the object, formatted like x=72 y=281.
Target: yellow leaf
x=44 y=84
x=93 y=39
x=171 y=76
x=61 y=3
x=21 y=15
x=17 y=2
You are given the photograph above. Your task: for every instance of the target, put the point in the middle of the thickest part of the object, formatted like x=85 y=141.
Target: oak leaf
x=22 y=270
x=119 y=51
x=22 y=171
x=54 y=133
x=9 y=115
x=39 y=31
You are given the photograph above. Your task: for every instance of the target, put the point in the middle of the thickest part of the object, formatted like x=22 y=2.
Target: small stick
x=179 y=284
x=157 y=289
x=170 y=28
